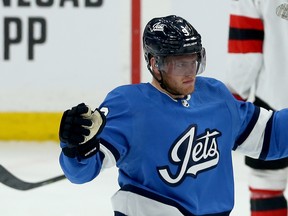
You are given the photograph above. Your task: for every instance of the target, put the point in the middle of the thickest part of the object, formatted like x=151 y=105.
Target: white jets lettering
x=200 y=153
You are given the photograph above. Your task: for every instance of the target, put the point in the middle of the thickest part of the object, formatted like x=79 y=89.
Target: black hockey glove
x=79 y=128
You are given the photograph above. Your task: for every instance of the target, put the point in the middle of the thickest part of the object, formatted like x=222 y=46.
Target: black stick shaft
x=12 y=181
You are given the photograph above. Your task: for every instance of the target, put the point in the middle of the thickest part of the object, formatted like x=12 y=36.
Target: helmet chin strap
x=152 y=73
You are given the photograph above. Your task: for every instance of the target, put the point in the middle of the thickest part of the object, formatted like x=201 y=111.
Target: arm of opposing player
x=245 y=47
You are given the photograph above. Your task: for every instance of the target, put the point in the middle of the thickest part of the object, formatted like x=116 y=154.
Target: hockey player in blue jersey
x=171 y=139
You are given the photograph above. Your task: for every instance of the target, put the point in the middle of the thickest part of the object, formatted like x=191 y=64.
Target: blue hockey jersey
x=175 y=156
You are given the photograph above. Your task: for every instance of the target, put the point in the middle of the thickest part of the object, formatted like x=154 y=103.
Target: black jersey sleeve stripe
x=267 y=137
x=268 y=204
x=111 y=148
x=245 y=34
x=116 y=213
x=249 y=127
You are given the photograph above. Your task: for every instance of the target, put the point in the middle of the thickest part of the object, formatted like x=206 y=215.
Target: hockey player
x=258 y=70
x=171 y=139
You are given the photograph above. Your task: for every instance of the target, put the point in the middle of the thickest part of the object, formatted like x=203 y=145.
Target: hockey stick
x=12 y=181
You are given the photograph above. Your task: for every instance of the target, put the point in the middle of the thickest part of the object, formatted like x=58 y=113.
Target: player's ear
x=154 y=66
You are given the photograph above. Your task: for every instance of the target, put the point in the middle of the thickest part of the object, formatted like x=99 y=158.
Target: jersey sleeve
x=262 y=133
x=117 y=134
x=245 y=47
x=113 y=142
x=275 y=141
x=78 y=170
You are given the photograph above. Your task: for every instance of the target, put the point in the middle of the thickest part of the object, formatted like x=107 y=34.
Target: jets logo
x=158 y=26
x=191 y=154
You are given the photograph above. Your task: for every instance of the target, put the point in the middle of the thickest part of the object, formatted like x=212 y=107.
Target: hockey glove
x=79 y=128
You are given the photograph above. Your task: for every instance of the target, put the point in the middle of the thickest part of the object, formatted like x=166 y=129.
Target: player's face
x=179 y=74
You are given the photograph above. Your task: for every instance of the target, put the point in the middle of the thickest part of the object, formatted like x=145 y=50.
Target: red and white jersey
x=258 y=50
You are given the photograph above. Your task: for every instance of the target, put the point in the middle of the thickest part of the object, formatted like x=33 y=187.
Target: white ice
x=34 y=162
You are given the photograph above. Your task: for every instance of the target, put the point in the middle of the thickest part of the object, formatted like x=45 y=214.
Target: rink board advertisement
x=57 y=53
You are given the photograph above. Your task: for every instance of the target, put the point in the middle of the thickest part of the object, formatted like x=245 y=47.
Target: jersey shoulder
x=208 y=85
x=129 y=88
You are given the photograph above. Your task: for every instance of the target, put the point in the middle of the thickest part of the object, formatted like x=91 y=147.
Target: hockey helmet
x=172 y=35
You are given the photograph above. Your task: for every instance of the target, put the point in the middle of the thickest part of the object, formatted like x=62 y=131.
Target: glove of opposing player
x=79 y=128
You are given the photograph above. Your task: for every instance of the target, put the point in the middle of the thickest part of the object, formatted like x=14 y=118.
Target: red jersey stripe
x=242 y=22
x=245 y=46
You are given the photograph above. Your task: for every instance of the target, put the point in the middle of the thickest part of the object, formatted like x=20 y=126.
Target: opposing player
x=171 y=139
x=258 y=70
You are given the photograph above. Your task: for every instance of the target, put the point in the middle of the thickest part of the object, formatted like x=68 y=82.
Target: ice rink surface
x=34 y=162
